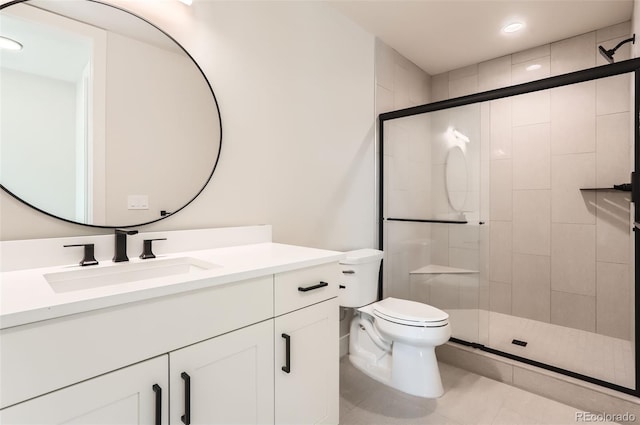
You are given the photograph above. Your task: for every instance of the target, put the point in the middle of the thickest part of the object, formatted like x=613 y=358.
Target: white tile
x=465 y=72
x=465 y=237
x=613 y=94
x=531 y=287
x=463 y=86
x=573 y=118
x=384 y=100
x=399 y=173
x=445 y=292
x=573 y=54
x=494 y=74
x=500 y=248
x=532 y=222
x=532 y=157
x=612 y=303
x=531 y=108
x=501 y=190
x=613 y=146
x=573 y=310
x=439 y=198
x=440 y=87
x=384 y=63
x=531 y=70
x=622 y=29
x=500 y=297
x=530 y=54
x=401 y=87
x=569 y=173
x=500 y=128
x=613 y=226
x=573 y=258
x=440 y=244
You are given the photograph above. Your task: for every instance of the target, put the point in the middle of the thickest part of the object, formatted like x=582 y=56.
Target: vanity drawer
x=299 y=288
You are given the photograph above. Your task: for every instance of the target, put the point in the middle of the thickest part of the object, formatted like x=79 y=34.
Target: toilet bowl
x=392 y=340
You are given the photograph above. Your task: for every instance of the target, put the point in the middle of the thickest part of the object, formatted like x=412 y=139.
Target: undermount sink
x=122 y=273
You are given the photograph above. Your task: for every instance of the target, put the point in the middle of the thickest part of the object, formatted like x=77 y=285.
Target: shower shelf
x=626 y=187
x=437 y=269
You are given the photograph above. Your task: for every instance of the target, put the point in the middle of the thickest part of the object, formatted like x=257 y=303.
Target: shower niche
x=484 y=214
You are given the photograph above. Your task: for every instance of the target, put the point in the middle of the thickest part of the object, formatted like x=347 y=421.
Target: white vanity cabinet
x=137 y=394
x=211 y=354
x=306 y=346
x=224 y=380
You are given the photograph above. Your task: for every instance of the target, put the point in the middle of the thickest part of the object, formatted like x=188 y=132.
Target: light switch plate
x=138 y=202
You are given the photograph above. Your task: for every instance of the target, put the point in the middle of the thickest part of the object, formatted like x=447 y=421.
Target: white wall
x=47 y=148
x=295 y=83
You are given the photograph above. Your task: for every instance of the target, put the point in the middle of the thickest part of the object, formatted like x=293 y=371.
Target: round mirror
x=105 y=120
x=456 y=178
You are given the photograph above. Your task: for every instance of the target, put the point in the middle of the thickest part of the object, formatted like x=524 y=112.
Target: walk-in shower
x=512 y=210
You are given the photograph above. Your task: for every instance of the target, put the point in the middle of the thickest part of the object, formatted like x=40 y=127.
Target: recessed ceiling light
x=512 y=27
x=187 y=2
x=533 y=67
x=9 y=44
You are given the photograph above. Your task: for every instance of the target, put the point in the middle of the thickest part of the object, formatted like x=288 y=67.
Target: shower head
x=608 y=54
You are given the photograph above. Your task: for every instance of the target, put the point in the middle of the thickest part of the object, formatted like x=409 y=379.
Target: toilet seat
x=410 y=313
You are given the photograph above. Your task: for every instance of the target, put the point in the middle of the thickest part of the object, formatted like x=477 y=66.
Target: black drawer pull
x=158 y=391
x=311 y=288
x=348 y=271
x=287 y=353
x=186 y=418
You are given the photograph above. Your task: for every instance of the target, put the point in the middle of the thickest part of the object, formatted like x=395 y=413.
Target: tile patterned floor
x=468 y=399
x=599 y=356
x=588 y=353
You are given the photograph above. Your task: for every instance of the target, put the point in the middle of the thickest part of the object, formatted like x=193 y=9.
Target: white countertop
x=27 y=297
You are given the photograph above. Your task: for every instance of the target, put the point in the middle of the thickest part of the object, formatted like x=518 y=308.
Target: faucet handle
x=146 y=251
x=126 y=232
x=89 y=257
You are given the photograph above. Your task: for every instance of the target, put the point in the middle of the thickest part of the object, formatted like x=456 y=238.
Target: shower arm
x=611 y=52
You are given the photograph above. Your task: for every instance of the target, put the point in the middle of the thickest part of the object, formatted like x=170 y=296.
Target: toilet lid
x=409 y=313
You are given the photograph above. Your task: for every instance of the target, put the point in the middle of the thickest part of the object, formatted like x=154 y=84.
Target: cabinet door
x=307 y=379
x=224 y=380
x=126 y=396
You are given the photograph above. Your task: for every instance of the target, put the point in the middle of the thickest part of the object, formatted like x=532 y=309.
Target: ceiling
x=441 y=35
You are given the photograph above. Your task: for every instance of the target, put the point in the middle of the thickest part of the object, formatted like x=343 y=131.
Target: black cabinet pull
x=311 y=288
x=287 y=349
x=158 y=391
x=186 y=418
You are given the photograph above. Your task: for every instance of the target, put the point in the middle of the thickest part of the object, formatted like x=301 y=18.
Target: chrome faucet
x=121 y=245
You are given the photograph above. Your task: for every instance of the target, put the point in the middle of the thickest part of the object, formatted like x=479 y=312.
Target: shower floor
x=598 y=356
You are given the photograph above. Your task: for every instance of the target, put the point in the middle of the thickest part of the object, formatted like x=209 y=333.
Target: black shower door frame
x=609 y=70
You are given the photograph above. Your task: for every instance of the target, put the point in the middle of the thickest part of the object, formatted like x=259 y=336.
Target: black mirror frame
x=164 y=213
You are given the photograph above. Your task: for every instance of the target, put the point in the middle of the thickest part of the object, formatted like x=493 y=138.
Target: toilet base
x=410 y=369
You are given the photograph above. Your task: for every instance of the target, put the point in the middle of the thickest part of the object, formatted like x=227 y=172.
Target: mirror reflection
x=104 y=119
x=456 y=178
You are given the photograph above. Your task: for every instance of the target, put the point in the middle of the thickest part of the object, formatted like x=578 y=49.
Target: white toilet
x=393 y=340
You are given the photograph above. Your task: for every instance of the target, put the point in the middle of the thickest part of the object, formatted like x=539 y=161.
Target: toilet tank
x=359 y=276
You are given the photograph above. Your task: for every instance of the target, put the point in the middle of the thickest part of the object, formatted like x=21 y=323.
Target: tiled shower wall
x=557 y=254
x=401 y=84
